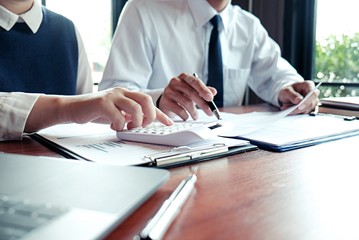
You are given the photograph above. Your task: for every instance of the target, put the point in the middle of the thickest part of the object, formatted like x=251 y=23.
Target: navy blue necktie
x=215 y=66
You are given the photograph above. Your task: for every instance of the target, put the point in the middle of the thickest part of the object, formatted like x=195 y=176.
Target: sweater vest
x=44 y=62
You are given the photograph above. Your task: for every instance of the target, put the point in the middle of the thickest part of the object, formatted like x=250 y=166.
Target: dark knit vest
x=44 y=62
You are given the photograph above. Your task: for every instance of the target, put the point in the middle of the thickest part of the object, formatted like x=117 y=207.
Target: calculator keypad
x=161 y=129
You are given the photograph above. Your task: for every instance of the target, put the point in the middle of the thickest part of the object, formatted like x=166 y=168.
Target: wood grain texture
x=306 y=194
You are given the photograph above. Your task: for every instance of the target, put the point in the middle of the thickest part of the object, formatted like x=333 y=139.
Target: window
x=93 y=19
x=337 y=47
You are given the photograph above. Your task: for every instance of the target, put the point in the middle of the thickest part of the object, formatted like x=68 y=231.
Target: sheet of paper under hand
x=250 y=122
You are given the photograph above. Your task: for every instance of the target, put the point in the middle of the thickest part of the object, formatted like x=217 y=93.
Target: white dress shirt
x=16 y=106
x=156 y=40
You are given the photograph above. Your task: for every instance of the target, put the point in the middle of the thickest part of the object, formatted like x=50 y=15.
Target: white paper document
x=98 y=143
x=280 y=132
x=297 y=131
x=240 y=124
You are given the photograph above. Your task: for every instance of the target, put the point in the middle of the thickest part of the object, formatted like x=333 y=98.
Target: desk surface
x=309 y=193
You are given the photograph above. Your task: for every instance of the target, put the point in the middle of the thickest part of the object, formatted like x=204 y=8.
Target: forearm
x=110 y=106
x=47 y=111
x=270 y=72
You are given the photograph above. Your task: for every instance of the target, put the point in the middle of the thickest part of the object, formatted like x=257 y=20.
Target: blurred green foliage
x=337 y=61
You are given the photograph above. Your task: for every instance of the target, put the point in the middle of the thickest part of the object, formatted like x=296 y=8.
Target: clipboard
x=74 y=142
x=299 y=131
x=186 y=155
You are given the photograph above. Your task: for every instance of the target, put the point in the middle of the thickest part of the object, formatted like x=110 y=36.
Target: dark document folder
x=292 y=132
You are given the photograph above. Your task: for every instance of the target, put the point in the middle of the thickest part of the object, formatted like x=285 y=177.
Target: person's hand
x=116 y=106
x=293 y=94
x=183 y=93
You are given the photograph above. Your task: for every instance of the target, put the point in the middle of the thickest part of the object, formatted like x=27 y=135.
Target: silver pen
x=158 y=225
x=211 y=104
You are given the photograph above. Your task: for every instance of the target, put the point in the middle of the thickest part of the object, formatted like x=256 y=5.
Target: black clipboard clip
x=184 y=153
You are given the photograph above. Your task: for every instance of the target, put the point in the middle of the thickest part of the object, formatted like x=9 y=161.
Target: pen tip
x=217 y=115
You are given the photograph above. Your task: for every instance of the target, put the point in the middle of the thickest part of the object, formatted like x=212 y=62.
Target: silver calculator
x=178 y=134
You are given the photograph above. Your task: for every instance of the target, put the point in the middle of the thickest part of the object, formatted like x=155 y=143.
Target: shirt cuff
x=14 y=111
x=155 y=94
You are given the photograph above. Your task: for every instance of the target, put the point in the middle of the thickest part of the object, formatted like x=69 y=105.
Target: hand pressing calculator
x=179 y=134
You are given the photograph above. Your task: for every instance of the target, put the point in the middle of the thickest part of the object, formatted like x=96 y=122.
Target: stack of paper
x=345 y=106
x=98 y=143
x=292 y=132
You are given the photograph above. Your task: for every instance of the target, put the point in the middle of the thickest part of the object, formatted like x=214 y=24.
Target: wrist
x=158 y=101
x=47 y=111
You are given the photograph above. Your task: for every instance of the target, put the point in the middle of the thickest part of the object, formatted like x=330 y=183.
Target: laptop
x=51 y=198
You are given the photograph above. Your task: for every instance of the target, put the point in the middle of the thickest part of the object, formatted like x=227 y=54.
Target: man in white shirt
x=28 y=57
x=159 y=44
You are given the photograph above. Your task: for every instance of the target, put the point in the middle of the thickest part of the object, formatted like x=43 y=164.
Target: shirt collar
x=32 y=18
x=202 y=12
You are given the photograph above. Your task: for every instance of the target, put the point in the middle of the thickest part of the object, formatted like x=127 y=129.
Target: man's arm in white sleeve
x=129 y=63
x=270 y=72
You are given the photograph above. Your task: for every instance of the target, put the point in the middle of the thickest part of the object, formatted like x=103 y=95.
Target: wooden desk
x=310 y=193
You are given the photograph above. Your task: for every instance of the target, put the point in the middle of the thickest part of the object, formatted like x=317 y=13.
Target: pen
x=211 y=104
x=170 y=157
x=158 y=225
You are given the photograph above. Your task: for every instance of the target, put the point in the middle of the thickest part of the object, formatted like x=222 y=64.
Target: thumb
x=292 y=96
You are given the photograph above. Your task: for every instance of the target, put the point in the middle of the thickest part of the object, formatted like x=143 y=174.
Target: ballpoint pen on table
x=157 y=226
x=211 y=104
